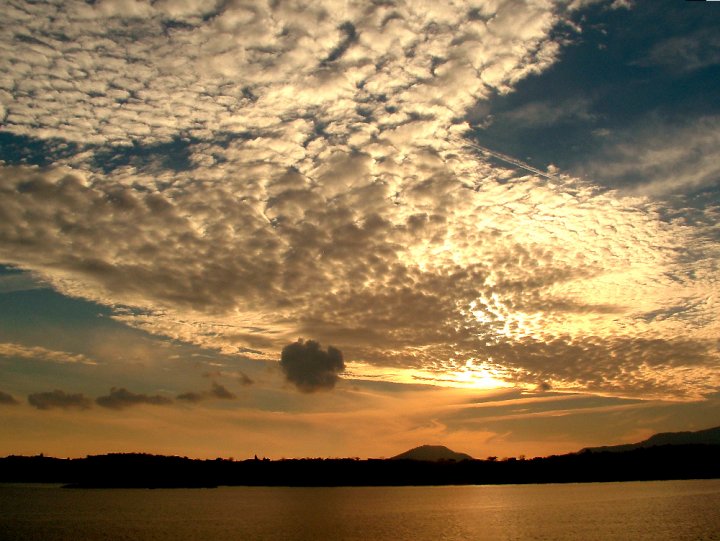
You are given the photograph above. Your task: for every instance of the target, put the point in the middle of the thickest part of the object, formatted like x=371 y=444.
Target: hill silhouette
x=432 y=453
x=652 y=459
x=710 y=436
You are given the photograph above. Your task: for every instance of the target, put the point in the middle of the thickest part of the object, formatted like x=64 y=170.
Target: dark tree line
x=154 y=471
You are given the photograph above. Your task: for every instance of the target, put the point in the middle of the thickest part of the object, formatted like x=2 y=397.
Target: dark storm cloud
x=7 y=399
x=121 y=398
x=309 y=367
x=59 y=399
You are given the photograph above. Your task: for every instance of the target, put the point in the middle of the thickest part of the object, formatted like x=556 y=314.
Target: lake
x=657 y=510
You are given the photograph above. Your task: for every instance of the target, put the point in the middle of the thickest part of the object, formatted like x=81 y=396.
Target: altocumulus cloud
x=329 y=192
x=121 y=398
x=58 y=399
x=309 y=367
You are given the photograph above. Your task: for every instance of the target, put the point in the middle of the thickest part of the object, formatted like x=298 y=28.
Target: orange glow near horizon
x=335 y=228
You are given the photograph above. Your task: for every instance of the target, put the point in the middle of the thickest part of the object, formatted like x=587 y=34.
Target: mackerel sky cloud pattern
x=236 y=175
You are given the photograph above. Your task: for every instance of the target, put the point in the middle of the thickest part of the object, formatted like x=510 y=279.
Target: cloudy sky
x=347 y=228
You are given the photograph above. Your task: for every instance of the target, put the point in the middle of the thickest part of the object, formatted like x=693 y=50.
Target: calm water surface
x=634 y=511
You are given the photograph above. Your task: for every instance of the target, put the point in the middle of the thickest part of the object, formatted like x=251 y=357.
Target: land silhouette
x=641 y=462
x=432 y=453
x=711 y=436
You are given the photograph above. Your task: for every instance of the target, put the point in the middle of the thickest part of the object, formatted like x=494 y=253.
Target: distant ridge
x=432 y=466
x=710 y=436
x=432 y=453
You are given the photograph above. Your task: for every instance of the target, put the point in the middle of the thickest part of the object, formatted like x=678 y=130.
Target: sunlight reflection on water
x=677 y=510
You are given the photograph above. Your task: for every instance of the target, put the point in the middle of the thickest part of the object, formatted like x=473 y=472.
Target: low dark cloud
x=191 y=396
x=7 y=399
x=217 y=391
x=245 y=379
x=59 y=399
x=543 y=386
x=121 y=398
x=309 y=367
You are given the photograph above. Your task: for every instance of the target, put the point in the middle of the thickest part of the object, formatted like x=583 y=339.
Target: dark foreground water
x=655 y=511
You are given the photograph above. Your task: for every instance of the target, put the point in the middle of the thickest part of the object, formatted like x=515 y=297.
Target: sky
x=348 y=228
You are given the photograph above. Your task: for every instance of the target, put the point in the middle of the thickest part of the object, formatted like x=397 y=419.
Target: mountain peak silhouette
x=710 y=436
x=432 y=453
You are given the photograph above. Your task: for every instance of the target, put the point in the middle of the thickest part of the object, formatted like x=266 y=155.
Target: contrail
x=510 y=160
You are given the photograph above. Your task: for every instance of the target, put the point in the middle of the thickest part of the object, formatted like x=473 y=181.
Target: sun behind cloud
x=236 y=177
